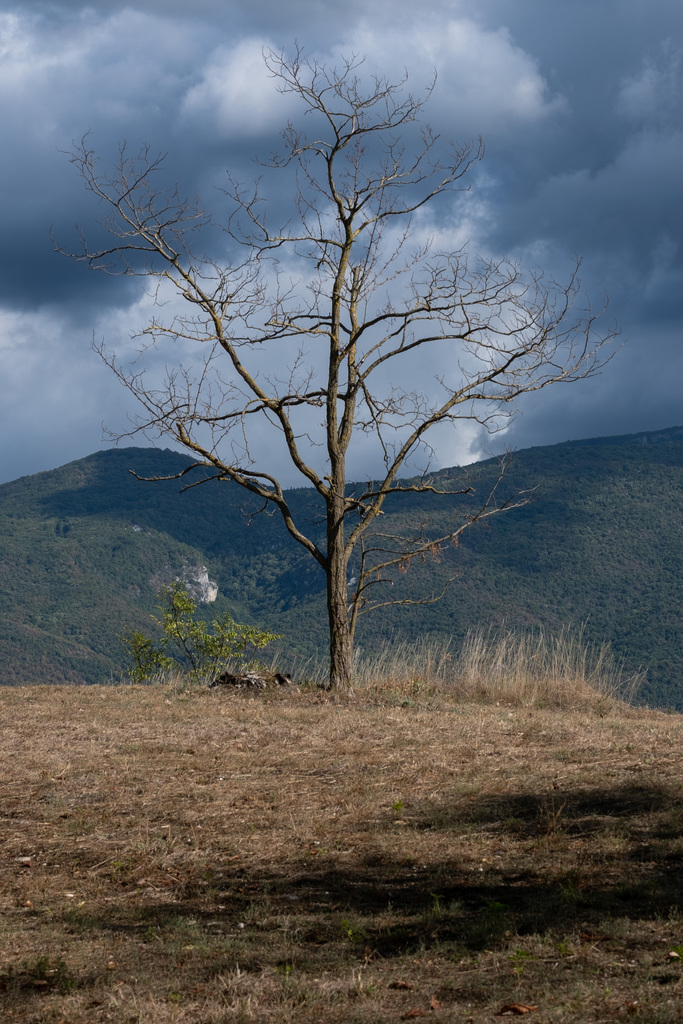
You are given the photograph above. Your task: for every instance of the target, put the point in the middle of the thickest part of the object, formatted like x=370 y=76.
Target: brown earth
x=175 y=855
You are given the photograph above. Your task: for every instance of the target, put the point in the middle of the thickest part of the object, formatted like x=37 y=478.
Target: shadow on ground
x=585 y=866
x=562 y=863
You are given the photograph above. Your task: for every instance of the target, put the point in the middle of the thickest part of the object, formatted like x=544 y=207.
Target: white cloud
x=119 y=68
x=485 y=82
x=55 y=388
x=490 y=77
x=55 y=392
x=236 y=95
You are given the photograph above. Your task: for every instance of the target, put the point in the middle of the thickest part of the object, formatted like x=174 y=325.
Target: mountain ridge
x=599 y=547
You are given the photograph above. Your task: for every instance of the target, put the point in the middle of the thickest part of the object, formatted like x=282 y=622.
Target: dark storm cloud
x=579 y=104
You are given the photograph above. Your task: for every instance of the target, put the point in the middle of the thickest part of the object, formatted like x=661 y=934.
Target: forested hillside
x=599 y=545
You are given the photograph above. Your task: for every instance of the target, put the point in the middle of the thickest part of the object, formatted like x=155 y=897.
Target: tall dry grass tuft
x=542 y=670
x=509 y=666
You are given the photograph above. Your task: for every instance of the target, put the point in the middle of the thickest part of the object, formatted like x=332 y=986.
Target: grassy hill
x=83 y=548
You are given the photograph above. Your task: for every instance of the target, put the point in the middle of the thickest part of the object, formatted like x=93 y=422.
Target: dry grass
x=202 y=856
x=521 y=668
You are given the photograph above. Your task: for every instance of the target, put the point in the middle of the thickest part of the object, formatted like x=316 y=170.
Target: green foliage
x=194 y=648
x=148 y=654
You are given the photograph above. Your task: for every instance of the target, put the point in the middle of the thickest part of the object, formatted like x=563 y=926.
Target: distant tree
x=358 y=300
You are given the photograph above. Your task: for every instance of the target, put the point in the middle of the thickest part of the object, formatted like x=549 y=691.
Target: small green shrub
x=187 y=643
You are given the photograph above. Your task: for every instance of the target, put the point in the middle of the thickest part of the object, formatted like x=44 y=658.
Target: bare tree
x=357 y=302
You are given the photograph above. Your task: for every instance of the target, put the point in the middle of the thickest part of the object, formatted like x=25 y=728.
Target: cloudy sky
x=578 y=103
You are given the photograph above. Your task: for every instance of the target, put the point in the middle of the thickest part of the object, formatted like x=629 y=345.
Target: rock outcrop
x=195 y=579
x=199 y=586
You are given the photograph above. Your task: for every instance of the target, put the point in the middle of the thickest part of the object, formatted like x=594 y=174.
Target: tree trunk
x=341 y=643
